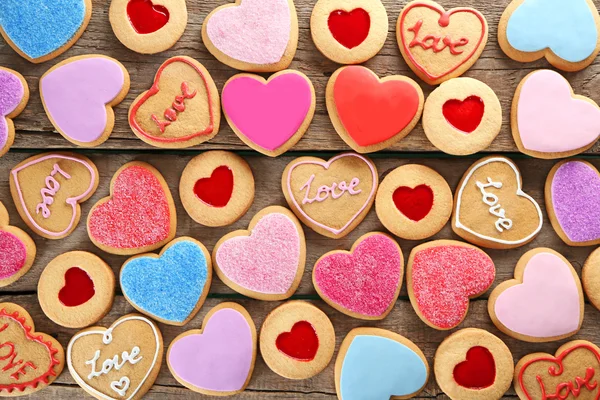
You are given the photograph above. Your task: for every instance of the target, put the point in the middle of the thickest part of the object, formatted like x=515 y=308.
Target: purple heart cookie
x=14 y=95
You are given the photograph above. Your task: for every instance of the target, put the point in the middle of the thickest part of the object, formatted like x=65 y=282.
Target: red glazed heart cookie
x=17 y=250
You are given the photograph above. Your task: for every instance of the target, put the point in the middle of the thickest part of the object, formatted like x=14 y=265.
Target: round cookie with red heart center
x=440 y=44
x=216 y=188
x=297 y=340
x=349 y=31
x=369 y=113
x=17 y=250
x=473 y=364
x=462 y=116
x=76 y=289
x=414 y=202
x=148 y=26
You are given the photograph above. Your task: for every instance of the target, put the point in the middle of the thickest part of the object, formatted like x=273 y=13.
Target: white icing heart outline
x=121 y=386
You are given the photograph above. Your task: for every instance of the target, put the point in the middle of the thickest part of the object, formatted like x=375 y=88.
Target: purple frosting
x=576 y=201
x=11 y=94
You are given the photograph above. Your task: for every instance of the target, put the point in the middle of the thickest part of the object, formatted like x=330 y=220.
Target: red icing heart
x=301 y=343
x=372 y=111
x=78 y=289
x=215 y=190
x=414 y=203
x=349 y=28
x=464 y=115
x=478 y=371
x=146 y=17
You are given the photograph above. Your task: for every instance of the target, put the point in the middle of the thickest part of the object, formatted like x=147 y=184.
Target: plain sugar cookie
x=590 y=277
x=14 y=95
x=17 y=250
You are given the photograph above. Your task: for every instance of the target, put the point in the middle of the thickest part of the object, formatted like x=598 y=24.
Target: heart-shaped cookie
x=14 y=95
x=218 y=359
x=371 y=114
x=117 y=362
x=543 y=303
x=17 y=250
x=25 y=26
x=363 y=282
x=269 y=115
x=438 y=44
x=266 y=261
x=48 y=188
x=332 y=197
x=442 y=276
x=78 y=95
x=138 y=216
x=491 y=209
x=172 y=286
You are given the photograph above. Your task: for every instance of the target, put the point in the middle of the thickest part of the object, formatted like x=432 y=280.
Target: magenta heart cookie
x=14 y=95
x=266 y=261
x=441 y=277
x=78 y=95
x=17 y=250
x=269 y=115
x=364 y=282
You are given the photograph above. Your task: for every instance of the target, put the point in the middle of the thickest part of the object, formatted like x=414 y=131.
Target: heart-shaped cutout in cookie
x=216 y=190
x=14 y=95
x=465 y=115
x=415 y=203
x=300 y=343
x=349 y=28
x=146 y=17
x=478 y=371
x=78 y=288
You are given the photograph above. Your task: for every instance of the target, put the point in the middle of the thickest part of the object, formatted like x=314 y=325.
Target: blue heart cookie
x=170 y=287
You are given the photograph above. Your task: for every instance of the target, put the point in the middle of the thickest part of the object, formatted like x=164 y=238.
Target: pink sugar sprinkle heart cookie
x=266 y=261
x=14 y=95
x=17 y=250
x=138 y=216
x=442 y=276
x=363 y=282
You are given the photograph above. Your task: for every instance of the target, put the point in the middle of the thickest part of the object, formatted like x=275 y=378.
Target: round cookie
x=146 y=26
x=440 y=44
x=369 y=113
x=473 y=364
x=14 y=95
x=527 y=31
x=76 y=289
x=216 y=188
x=414 y=202
x=269 y=115
x=543 y=303
x=590 y=277
x=17 y=250
x=253 y=35
x=349 y=31
x=297 y=340
x=462 y=116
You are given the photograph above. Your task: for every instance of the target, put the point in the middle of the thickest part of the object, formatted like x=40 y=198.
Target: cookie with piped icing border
x=216 y=188
x=544 y=301
x=14 y=95
x=349 y=31
x=253 y=35
x=17 y=250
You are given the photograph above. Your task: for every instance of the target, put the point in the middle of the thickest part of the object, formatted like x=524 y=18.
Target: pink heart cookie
x=17 y=250
x=364 y=282
x=266 y=261
x=14 y=95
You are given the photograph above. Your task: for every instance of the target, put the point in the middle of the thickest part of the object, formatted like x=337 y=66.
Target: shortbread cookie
x=543 y=303
x=590 y=277
x=297 y=340
x=147 y=26
x=17 y=250
x=442 y=276
x=473 y=364
x=76 y=289
x=369 y=113
x=31 y=360
x=216 y=188
x=43 y=29
x=349 y=31
x=119 y=362
x=440 y=44
x=267 y=260
x=462 y=116
x=331 y=197
x=171 y=286
x=271 y=115
x=139 y=214
x=79 y=94
x=491 y=209
x=375 y=363
x=527 y=31
x=48 y=188
x=181 y=109
x=364 y=282
x=218 y=359
x=253 y=35
x=14 y=95
x=414 y=202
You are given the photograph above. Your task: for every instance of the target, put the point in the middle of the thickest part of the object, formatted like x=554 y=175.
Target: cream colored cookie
x=18 y=250
x=590 y=277
x=14 y=94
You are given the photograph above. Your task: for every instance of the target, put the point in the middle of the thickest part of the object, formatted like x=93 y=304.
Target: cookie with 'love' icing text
x=253 y=35
x=528 y=30
x=17 y=250
x=14 y=95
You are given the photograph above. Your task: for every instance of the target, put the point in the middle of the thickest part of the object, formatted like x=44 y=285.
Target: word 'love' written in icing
x=436 y=42
x=325 y=191
x=50 y=191
x=178 y=106
x=495 y=209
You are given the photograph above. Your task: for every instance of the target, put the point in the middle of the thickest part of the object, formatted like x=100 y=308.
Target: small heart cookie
x=14 y=95
x=17 y=250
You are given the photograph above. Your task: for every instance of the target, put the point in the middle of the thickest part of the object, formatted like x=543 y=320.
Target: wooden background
x=35 y=134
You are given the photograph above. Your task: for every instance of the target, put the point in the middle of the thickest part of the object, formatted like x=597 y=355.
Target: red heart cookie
x=350 y=28
x=464 y=115
x=146 y=17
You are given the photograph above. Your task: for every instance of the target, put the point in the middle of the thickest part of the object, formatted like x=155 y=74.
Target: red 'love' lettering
x=11 y=359
x=566 y=389
x=433 y=42
x=177 y=107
